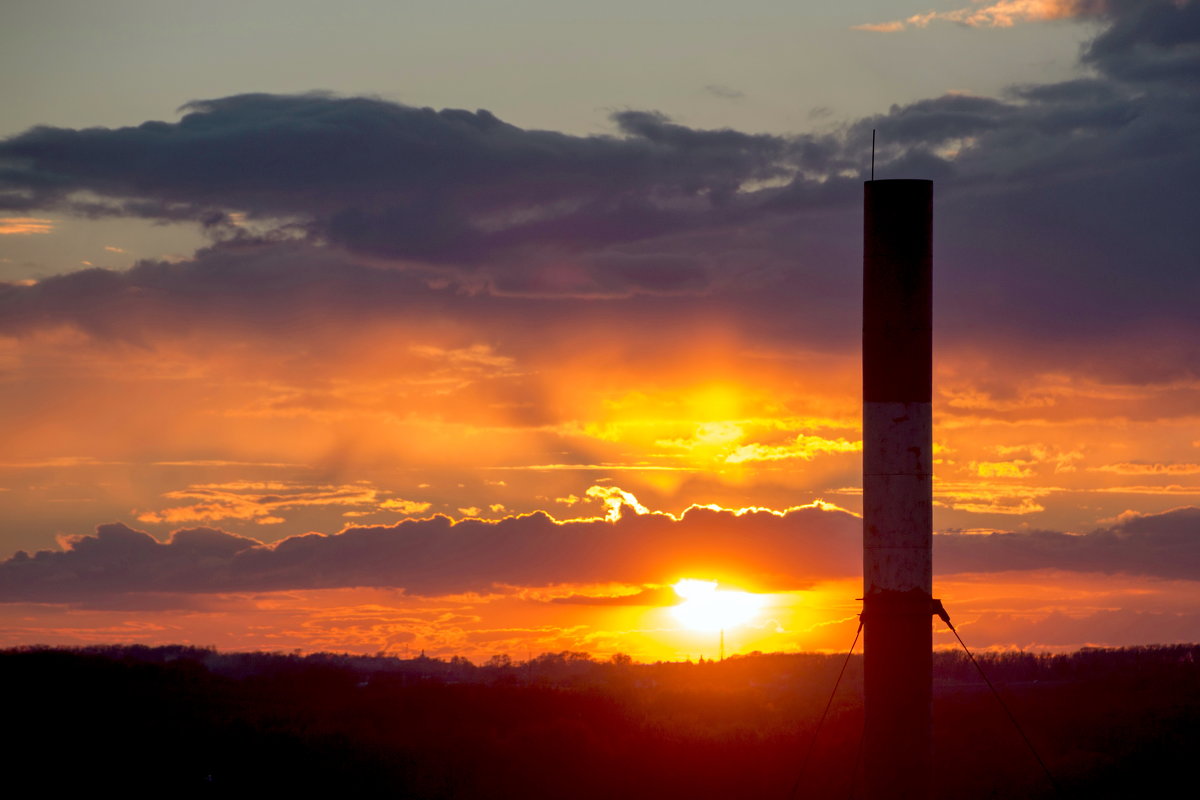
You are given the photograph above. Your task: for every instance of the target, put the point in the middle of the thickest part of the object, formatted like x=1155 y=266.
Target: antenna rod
x=872 y=154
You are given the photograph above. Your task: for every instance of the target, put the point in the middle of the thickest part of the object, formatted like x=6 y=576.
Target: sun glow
x=704 y=608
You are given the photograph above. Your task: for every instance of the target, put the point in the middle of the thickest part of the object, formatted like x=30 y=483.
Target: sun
x=705 y=608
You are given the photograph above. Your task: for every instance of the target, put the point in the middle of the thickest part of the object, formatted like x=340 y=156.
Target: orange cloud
x=259 y=500
x=1003 y=469
x=1134 y=468
x=19 y=226
x=615 y=500
x=978 y=497
x=1002 y=14
x=1173 y=489
x=880 y=27
x=803 y=447
x=405 y=506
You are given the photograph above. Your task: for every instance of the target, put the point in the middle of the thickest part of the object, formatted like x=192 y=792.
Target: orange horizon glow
x=1007 y=612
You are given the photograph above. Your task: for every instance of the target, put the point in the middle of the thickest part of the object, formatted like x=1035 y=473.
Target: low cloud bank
x=436 y=556
x=1165 y=545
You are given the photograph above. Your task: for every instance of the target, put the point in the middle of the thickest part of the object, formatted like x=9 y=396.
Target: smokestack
x=897 y=487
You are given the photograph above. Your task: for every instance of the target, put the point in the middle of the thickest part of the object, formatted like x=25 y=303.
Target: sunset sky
x=473 y=328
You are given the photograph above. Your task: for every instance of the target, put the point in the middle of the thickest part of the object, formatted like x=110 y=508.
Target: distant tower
x=897 y=487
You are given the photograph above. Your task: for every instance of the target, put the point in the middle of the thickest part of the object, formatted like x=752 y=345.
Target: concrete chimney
x=897 y=487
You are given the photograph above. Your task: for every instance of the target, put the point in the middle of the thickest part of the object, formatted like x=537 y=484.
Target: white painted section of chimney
x=897 y=496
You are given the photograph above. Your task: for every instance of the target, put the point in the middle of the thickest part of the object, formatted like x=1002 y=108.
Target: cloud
x=1064 y=252
x=1163 y=545
x=1066 y=630
x=723 y=443
x=1156 y=42
x=881 y=27
x=1002 y=14
x=259 y=501
x=1137 y=468
x=803 y=447
x=983 y=497
x=449 y=186
x=23 y=226
x=368 y=200
x=646 y=596
x=405 y=506
x=724 y=92
x=101 y=563
x=1173 y=489
x=436 y=556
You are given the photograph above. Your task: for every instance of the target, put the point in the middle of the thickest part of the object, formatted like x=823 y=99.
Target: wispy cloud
x=724 y=92
x=18 y=226
x=1134 y=468
x=980 y=497
x=1003 y=14
x=59 y=462
x=259 y=501
x=405 y=506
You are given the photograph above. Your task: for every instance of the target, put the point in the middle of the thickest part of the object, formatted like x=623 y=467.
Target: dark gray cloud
x=290 y=291
x=1149 y=43
x=1064 y=211
x=390 y=179
x=435 y=556
x=234 y=286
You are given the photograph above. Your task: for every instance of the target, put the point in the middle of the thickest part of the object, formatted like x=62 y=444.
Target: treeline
x=192 y=721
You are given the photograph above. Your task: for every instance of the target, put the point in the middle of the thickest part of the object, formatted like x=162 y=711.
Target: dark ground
x=188 y=721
